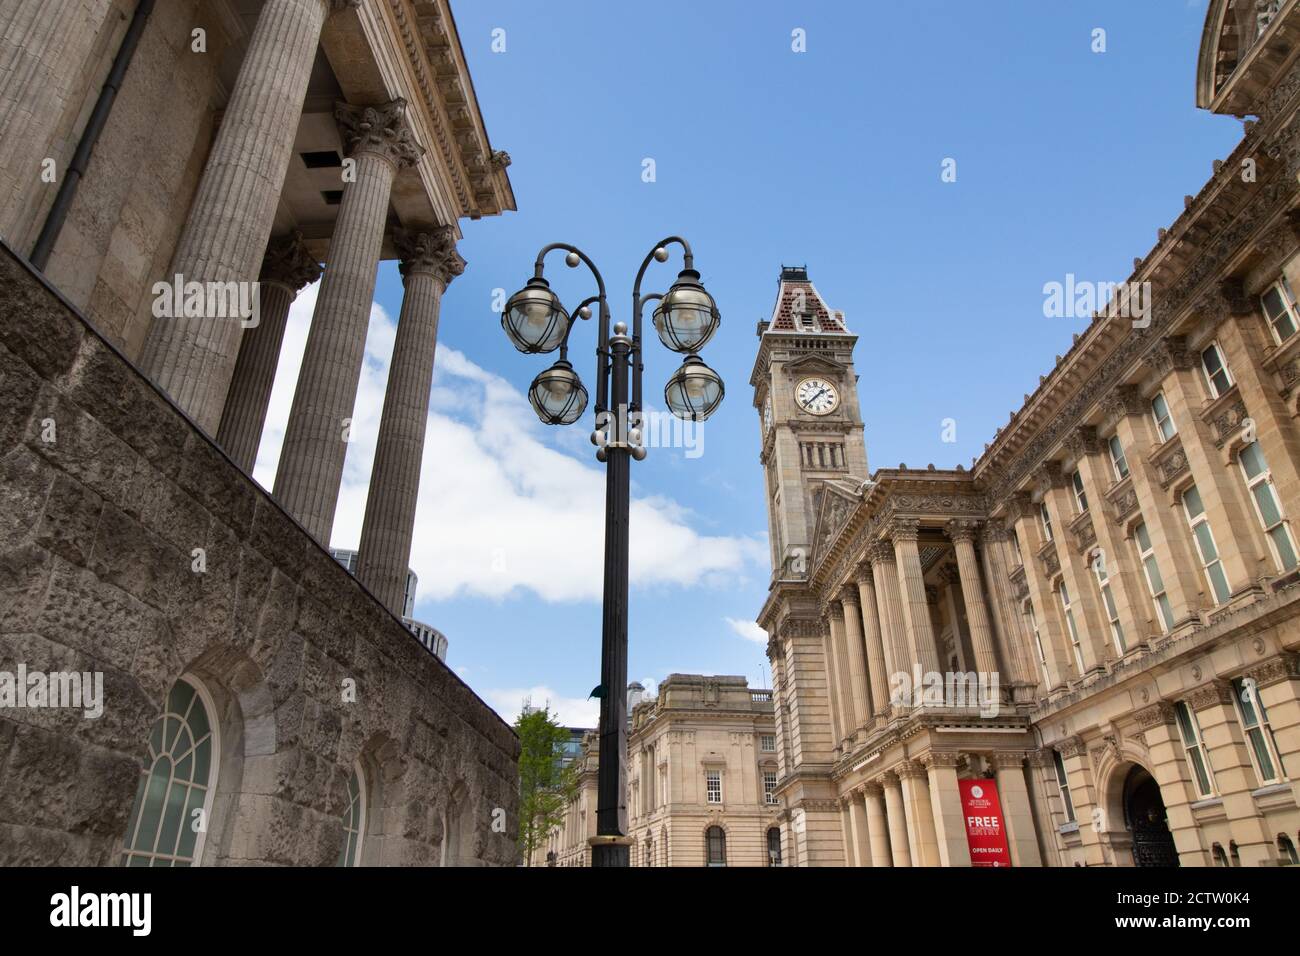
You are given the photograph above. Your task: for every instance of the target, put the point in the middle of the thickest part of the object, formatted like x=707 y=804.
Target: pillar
x=1017 y=815
x=898 y=659
x=962 y=534
x=911 y=587
x=840 y=674
x=1234 y=774
x=877 y=825
x=945 y=803
x=833 y=703
x=861 y=833
x=846 y=830
x=897 y=820
x=288 y=267
x=919 y=813
x=429 y=262
x=856 y=660
x=1008 y=619
x=1277 y=684
x=1171 y=771
x=315 y=441
x=873 y=636
x=226 y=233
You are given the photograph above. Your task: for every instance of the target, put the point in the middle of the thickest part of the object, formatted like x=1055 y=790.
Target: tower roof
x=800 y=308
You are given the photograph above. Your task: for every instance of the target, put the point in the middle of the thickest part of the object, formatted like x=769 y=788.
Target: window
x=1286 y=851
x=174 y=797
x=1217 y=376
x=716 y=842
x=767 y=743
x=1015 y=547
x=1063 y=785
x=1108 y=603
x=1254 y=720
x=1259 y=480
x=1045 y=517
x=1205 y=547
x=1074 y=631
x=354 y=818
x=774 y=846
x=1190 y=731
x=1117 y=459
x=1038 y=643
x=1220 y=855
x=1279 y=306
x=1080 y=496
x=769 y=787
x=1164 y=421
x=1155 y=583
x=649 y=851
x=713 y=785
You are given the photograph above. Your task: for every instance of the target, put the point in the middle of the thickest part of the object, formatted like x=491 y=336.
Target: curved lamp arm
x=638 y=366
x=602 y=345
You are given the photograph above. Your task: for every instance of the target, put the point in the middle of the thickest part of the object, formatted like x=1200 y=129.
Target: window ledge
x=1273 y=796
x=1071 y=827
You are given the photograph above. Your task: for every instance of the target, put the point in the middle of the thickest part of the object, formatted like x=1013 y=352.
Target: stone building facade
x=1122 y=558
x=702 y=776
x=171 y=175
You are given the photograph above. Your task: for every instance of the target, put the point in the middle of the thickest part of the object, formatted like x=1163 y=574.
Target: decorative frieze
x=1050 y=560
x=1123 y=500
x=1207 y=695
x=1225 y=417
x=1285 y=666
x=1083 y=532
x=1170 y=462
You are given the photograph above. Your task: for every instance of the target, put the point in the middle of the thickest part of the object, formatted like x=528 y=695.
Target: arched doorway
x=1144 y=812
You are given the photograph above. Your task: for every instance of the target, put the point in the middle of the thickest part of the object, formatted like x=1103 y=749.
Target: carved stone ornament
x=430 y=251
x=1161 y=712
x=288 y=263
x=379 y=129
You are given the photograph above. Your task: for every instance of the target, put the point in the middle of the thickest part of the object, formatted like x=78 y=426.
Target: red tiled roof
x=795 y=293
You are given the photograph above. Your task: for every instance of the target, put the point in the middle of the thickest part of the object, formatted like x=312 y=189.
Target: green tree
x=546 y=785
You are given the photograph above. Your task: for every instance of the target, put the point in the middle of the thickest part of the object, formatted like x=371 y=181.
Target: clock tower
x=806 y=395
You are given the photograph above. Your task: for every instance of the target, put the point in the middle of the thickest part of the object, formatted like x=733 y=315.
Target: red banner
x=986 y=830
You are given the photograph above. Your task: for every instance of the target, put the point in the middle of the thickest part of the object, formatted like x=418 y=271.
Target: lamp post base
x=610 y=850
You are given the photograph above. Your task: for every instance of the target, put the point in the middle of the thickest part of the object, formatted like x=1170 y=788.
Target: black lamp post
x=685 y=319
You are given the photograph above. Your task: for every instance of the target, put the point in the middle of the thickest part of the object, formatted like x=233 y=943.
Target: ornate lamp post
x=685 y=319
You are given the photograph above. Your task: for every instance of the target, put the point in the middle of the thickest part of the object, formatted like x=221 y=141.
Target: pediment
x=834 y=503
x=814 y=364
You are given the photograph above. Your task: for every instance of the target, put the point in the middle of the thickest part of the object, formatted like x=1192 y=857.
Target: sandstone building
x=171 y=175
x=702 y=776
x=1122 y=556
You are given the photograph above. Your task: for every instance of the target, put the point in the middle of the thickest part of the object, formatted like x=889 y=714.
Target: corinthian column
x=856 y=661
x=911 y=585
x=288 y=267
x=894 y=637
x=230 y=219
x=429 y=262
x=871 y=626
x=315 y=442
x=848 y=716
x=962 y=535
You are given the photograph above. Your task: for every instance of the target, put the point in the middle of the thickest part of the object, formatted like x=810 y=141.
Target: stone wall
x=106 y=490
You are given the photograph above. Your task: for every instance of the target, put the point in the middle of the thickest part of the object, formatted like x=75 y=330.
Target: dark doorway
x=1144 y=811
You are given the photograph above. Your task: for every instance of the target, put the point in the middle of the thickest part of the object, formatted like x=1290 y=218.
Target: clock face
x=817 y=396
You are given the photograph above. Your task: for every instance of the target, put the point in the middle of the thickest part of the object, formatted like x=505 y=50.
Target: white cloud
x=749 y=630
x=501 y=508
x=569 y=711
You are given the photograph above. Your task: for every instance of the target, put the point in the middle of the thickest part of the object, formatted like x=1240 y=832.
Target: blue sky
x=1067 y=162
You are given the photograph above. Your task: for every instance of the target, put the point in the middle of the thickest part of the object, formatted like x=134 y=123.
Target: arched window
x=1233 y=853
x=1220 y=857
x=354 y=819
x=649 y=851
x=1286 y=850
x=774 y=846
x=174 y=799
x=716 y=841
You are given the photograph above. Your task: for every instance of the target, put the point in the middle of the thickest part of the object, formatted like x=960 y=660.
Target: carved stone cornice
x=1083 y=441
x=1168 y=354
x=432 y=251
x=381 y=130
x=1285 y=666
x=1207 y=695
x=962 y=529
x=288 y=263
x=1161 y=712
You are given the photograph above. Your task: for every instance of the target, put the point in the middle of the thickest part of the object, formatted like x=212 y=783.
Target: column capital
x=942 y=759
x=848 y=594
x=1168 y=354
x=1021 y=505
x=288 y=263
x=1285 y=666
x=1207 y=695
x=862 y=572
x=1049 y=475
x=381 y=129
x=1124 y=401
x=873 y=788
x=431 y=251
x=962 y=529
x=888 y=779
x=1008 y=759
x=881 y=552
x=1041 y=758
x=1083 y=441
x=905 y=529
x=1161 y=712
x=993 y=530
x=910 y=770
x=1074 y=746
